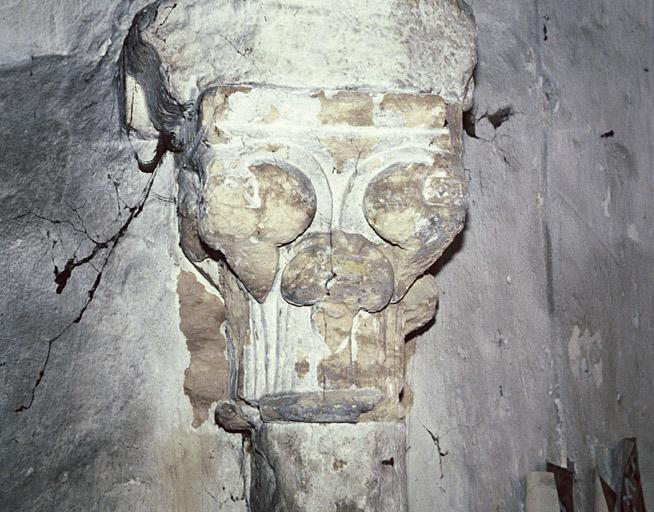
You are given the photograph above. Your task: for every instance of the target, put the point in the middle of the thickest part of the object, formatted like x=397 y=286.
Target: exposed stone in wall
x=201 y=316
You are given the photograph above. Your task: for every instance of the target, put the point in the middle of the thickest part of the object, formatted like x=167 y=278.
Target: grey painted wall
x=541 y=348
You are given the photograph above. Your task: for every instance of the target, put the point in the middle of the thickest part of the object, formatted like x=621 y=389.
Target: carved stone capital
x=318 y=184
x=328 y=207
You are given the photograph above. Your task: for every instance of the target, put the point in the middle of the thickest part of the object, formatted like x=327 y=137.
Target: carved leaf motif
x=248 y=214
x=342 y=268
x=418 y=208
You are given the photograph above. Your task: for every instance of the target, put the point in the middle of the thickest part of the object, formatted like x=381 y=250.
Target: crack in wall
x=61 y=278
x=495 y=119
x=441 y=454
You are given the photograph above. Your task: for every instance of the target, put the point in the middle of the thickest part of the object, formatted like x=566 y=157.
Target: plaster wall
x=541 y=348
x=542 y=344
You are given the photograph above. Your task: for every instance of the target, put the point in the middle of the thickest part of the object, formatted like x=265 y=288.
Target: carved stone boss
x=317 y=212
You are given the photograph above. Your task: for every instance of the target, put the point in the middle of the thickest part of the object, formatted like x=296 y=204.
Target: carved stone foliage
x=327 y=206
x=319 y=180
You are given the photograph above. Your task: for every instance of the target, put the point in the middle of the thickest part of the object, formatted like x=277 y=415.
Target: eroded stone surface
x=427 y=46
x=328 y=406
x=374 y=182
x=419 y=209
x=248 y=213
x=328 y=308
x=338 y=267
x=332 y=467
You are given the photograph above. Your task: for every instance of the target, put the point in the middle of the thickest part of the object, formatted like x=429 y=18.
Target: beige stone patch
x=419 y=304
x=374 y=354
x=371 y=357
x=201 y=314
x=346 y=107
x=229 y=209
x=255 y=264
x=416 y=110
x=334 y=323
x=455 y=125
x=344 y=150
x=442 y=141
x=407 y=204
